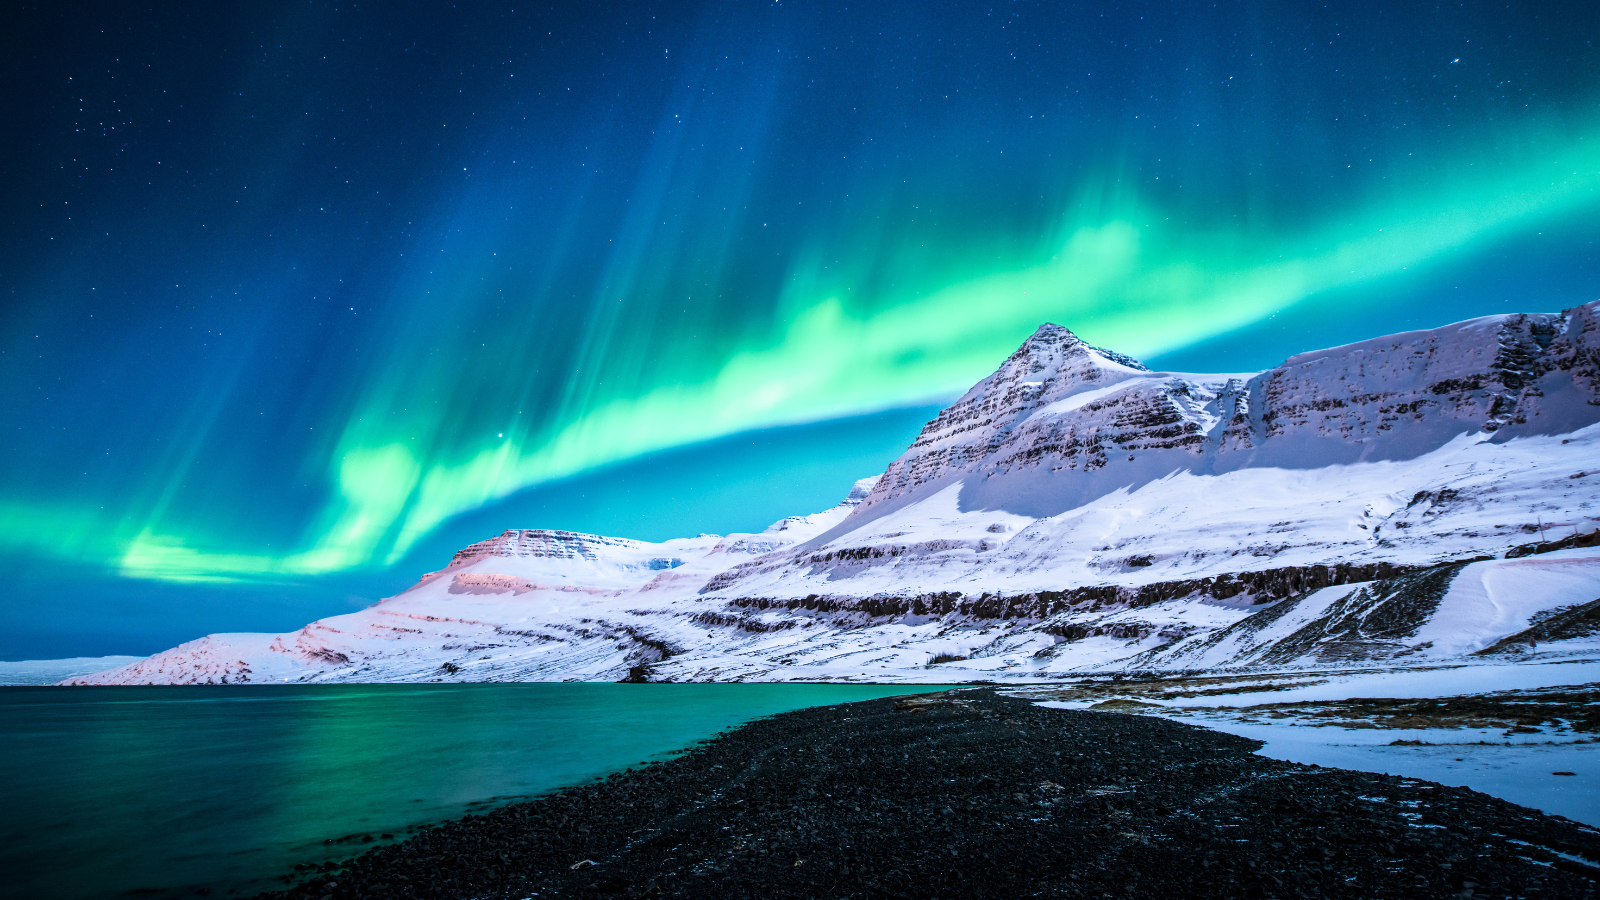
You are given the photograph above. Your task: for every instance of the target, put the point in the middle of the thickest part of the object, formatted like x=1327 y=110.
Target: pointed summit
x=1052 y=338
x=1052 y=364
x=1051 y=330
x=1048 y=336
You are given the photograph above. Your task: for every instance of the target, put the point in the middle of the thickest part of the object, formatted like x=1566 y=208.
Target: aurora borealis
x=309 y=295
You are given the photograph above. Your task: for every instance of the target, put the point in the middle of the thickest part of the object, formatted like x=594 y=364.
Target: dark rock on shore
x=969 y=794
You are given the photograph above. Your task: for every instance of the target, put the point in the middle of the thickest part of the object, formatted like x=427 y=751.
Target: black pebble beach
x=969 y=794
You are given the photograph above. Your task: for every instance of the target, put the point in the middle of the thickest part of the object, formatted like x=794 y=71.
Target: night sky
x=298 y=298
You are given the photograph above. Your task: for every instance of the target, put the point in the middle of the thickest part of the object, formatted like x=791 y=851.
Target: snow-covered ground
x=1469 y=497
x=1073 y=513
x=1519 y=765
x=1521 y=771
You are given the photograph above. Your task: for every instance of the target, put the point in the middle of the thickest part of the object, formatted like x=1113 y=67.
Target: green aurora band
x=1115 y=269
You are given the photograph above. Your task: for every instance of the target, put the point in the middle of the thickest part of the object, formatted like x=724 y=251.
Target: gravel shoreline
x=970 y=794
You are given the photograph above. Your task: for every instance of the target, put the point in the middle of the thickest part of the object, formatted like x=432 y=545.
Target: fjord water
x=168 y=791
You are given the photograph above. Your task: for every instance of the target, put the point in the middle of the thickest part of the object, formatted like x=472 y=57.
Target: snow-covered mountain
x=1410 y=499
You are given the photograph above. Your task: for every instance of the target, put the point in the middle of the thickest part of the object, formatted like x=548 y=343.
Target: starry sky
x=298 y=298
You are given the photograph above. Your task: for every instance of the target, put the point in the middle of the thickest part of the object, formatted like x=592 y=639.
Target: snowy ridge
x=50 y=671
x=1074 y=512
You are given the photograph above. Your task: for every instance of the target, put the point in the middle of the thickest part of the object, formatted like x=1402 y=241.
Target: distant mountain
x=50 y=671
x=1411 y=499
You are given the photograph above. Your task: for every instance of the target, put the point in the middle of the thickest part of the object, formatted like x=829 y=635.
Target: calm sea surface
x=164 y=791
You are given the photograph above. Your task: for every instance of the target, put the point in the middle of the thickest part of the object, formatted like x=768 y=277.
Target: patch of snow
x=1521 y=771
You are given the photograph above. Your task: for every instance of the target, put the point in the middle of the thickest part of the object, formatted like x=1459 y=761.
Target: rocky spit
x=971 y=794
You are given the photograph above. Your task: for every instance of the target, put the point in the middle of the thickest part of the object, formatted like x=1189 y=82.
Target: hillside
x=1417 y=499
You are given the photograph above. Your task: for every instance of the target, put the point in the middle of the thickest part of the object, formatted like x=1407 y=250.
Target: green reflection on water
x=110 y=790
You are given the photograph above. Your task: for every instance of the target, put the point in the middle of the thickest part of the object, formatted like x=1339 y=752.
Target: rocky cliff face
x=542 y=543
x=1399 y=396
x=1050 y=367
x=1061 y=423
x=1086 y=479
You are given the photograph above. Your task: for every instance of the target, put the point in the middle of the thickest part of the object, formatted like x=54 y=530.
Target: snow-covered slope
x=1074 y=512
x=50 y=671
x=1062 y=423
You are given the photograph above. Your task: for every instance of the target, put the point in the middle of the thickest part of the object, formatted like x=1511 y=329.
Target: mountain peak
x=1050 y=337
x=1051 y=330
x=1051 y=365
